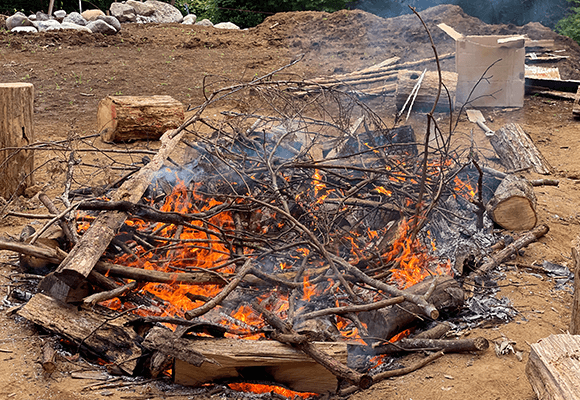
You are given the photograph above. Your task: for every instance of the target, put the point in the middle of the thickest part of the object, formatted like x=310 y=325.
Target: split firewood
x=48 y=357
x=340 y=370
x=513 y=205
x=513 y=248
x=448 y=346
x=575 y=320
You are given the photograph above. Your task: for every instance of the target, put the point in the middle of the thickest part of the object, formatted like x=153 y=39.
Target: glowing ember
x=259 y=389
x=464 y=189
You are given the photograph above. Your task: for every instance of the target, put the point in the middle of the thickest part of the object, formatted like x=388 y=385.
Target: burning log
x=517 y=151
x=125 y=118
x=89 y=249
x=215 y=359
x=101 y=336
x=448 y=346
x=513 y=205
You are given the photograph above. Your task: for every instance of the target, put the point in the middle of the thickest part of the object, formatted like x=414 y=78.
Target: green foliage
x=9 y=7
x=570 y=25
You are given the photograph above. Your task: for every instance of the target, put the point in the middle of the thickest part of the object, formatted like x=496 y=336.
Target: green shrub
x=570 y=25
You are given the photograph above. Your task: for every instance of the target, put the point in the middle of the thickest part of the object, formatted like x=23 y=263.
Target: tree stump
x=513 y=205
x=127 y=118
x=16 y=130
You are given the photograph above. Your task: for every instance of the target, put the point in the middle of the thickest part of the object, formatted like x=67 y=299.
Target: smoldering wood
x=513 y=205
x=447 y=297
x=110 y=294
x=100 y=335
x=352 y=308
x=16 y=132
x=575 y=319
x=89 y=249
x=553 y=366
x=234 y=358
x=513 y=248
x=437 y=332
x=447 y=346
x=125 y=118
x=517 y=151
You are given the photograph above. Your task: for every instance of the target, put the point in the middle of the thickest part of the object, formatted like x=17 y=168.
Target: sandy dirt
x=71 y=72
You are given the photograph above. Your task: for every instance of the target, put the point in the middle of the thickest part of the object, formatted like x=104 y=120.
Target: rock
x=32 y=17
x=114 y=22
x=91 y=15
x=49 y=25
x=145 y=20
x=24 y=29
x=17 y=19
x=75 y=18
x=40 y=16
x=164 y=12
x=101 y=26
x=76 y=27
x=189 y=19
x=141 y=8
x=204 y=22
x=59 y=15
x=226 y=25
x=123 y=12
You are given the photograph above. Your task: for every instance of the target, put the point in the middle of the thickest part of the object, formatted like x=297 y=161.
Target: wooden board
x=553 y=367
x=109 y=340
x=16 y=130
x=123 y=118
x=247 y=359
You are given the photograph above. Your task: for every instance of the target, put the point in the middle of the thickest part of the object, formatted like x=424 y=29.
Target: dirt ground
x=71 y=72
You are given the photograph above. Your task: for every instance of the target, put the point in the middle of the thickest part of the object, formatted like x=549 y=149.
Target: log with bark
x=513 y=205
x=517 y=151
x=124 y=118
x=575 y=320
x=448 y=346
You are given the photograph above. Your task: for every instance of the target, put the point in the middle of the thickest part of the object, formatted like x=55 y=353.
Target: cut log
x=513 y=205
x=107 y=339
x=553 y=367
x=247 y=359
x=124 y=118
x=448 y=346
x=517 y=151
x=48 y=357
x=576 y=109
x=16 y=131
x=575 y=320
x=80 y=261
x=406 y=81
x=384 y=324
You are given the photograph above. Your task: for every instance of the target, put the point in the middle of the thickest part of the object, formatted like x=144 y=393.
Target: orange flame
x=259 y=388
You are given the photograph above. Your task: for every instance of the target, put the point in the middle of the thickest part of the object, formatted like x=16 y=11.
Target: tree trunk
x=124 y=118
x=16 y=130
x=513 y=205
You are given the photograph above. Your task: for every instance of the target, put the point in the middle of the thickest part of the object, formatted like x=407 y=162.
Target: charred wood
x=448 y=346
x=437 y=332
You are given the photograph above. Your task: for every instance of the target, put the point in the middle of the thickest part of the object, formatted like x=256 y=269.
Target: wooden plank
x=82 y=258
x=450 y=31
x=553 y=367
x=576 y=109
x=533 y=84
x=233 y=358
x=16 y=130
x=109 y=340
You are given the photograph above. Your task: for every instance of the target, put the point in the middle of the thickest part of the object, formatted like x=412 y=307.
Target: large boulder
x=204 y=22
x=226 y=25
x=114 y=22
x=76 y=27
x=49 y=25
x=123 y=12
x=165 y=12
x=100 y=26
x=18 y=19
x=24 y=29
x=75 y=18
x=189 y=19
x=141 y=8
x=91 y=15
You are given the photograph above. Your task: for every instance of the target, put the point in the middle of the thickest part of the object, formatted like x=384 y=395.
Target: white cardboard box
x=504 y=85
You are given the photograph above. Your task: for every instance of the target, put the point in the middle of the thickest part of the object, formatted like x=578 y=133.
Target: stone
x=189 y=19
x=123 y=12
x=76 y=27
x=75 y=18
x=91 y=15
x=164 y=12
x=32 y=17
x=226 y=25
x=40 y=16
x=114 y=22
x=59 y=15
x=24 y=29
x=17 y=19
x=141 y=8
x=145 y=20
x=51 y=25
x=204 y=22
x=101 y=26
